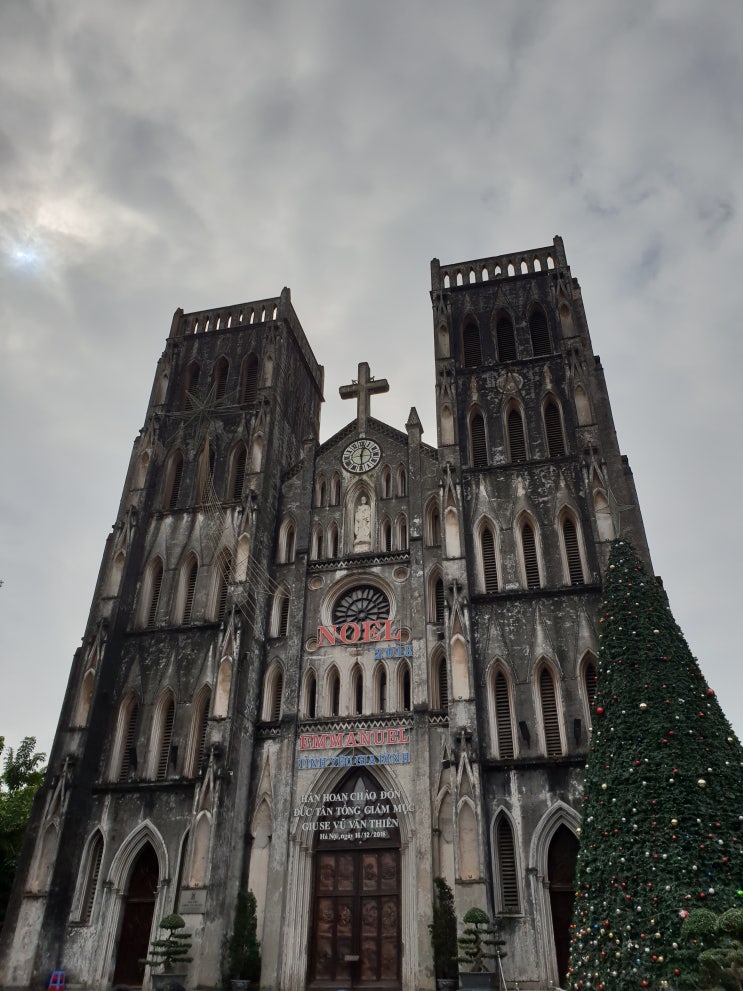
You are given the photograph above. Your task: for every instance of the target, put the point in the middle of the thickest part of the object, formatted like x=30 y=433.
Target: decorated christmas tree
x=662 y=828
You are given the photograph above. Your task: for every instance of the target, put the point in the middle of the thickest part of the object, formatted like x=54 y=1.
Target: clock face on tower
x=361 y=455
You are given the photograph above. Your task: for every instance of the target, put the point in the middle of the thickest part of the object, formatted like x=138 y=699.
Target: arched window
x=224 y=685
x=191 y=384
x=219 y=379
x=380 y=687
x=273 y=693
x=573 y=562
x=334 y=692
x=404 y=688
x=206 y=476
x=582 y=406
x=92 y=873
x=489 y=564
x=507 y=876
x=163 y=737
x=357 y=690
x=256 y=453
x=335 y=490
x=604 y=521
x=505 y=339
x=386 y=482
x=82 y=709
x=224 y=575
x=436 y=609
x=124 y=759
x=174 y=479
x=249 y=381
x=117 y=570
x=287 y=542
x=478 y=440
x=243 y=558
x=553 y=429
x=447 y=425
x=333 y=540
x=386 y=535
x=539 y=331
x=589 y=681
x=237 y=472
x=530 y=560
x=550 y=717
x=310 y=696
x=280 y=613
x=317 y=543
x=503 y=721
x=401 y=532
x=199 y=723
x=516 y=437
x=433 y=524
x=471 y=348
x=402 y=481
x=320 y=491
x=188 y=589
x=152 y=586
x=442 y=683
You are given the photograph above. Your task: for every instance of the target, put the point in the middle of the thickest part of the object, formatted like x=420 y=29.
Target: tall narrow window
x=472 y=351
x=516 y=438
x=438 y=601
x=128 y=757
x=433 y=525
x=529 y=548
x=505 y=340
x=191 y=574
x=249 y=381
x=289 y=544
x=489 y=565
x=406 y=693
x=334 y=692
x=357 y=683
x=503 y=724
x=191 y=384
x=277 y=693
x=332 y=540
x=478 y=441
x=386 y=482
x=443 y=684
x=572 y=552
x=284 y=616
x=156 y=581
x=239 y=463
x=553 y=429
x=95 y=856
x=402 y=481
x=540 y=335
x=224 y=572
x=402 y=533
x=166 y=738
x=508 y=884
x=382 y=690
x=199 y=723
x=550 y=719
x=220 y=378
x=320 y=491
x=335 y=490
x=311 y=707
x=386 y=535
x=589 y=683
x=175 y=477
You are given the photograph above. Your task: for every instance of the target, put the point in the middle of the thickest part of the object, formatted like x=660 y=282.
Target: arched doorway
x=136 y=923
x=561 y=860
x=356 y=935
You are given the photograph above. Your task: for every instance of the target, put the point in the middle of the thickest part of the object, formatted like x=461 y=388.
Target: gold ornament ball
x=702 y=783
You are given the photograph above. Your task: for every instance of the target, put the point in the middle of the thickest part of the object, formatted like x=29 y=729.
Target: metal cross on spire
x=363 y=389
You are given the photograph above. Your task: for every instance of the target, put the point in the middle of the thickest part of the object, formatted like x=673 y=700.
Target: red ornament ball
x=599 y=710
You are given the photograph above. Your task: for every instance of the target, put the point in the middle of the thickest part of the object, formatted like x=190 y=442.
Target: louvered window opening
x=91 y=884
x=443 y=685
x=435 y=524
x=553 y=425
x=165 y=741
x=250 y=383
x=190 y=590
x=358 y=691
x=401 y=483
x=439 y=601
x=403 y=530
x=201 y=741
x=516 y=438
x=225 y=566
x=290 y=544
x=175 y=484
x=386 y=483
x=479 y=443
x=572 y=552
x=489 y=565
x=283 y=616
x=207 y=478
x=333 y=542
x=531 y=565
x=220 y=380
x=157 y=581
x=192 y=384
x=590 y=682
x=406 y=693
x=471 y=346
x=540 y=335
x=505 y=340
x=335 y=695
x=278 y=691
x=509 y=886
x=239 y=478
x=318 y=544
x=382 y=692
x=128 y=753
x=550 y=721
x=386 y=537
x=504 y=729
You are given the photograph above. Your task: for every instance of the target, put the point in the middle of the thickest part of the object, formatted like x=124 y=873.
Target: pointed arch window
x=199 y=723
x=221 y=370
x=239 y=465
x=191 y=384
x=94 y=859
x=165 y=736
x=335 y=490
x=516 y=436
x=317 y=542
x=553 y=429
x=508 y=883
x=505 y=340
x=175 y=478
x=125 y=759
x=280 y=617
x=530 y=560
x=489 y=563
x=191 y=573
x=433 y=524
x=320 y=491
x=386 y=482
x=590 y=679
x=386 y=535
x=224 y=574
x=402 y=481
x=550 y=718
x=539 y=332
x=478 y=440
x=503 y=722
x=333 y=540
x=334 y=692
x=249 y=381
x=401 y=528
x=273 y=694
x=471 y=346
x=438 y=601
x=405 y=689
x=381 y=689
x=442 y=683
x=154 y=587
x=572 y=552
x=357 y=690
x=311 y=696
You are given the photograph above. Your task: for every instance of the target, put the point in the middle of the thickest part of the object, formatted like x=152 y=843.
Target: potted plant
x=479 y=942
x=244 y=950
x=443 y=932
x=170 y=952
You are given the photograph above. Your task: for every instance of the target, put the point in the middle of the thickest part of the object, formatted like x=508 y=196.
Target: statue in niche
x=362 y=526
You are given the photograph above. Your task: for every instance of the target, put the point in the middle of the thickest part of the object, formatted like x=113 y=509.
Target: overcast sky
x=165 y=153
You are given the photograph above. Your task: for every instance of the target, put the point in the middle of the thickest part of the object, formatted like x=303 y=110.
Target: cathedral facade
x=331 y=672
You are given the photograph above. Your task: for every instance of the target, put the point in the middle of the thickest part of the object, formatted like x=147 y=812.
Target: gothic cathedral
x=330 y=673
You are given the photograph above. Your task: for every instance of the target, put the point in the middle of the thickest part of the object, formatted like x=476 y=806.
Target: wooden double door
x=356 y=920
